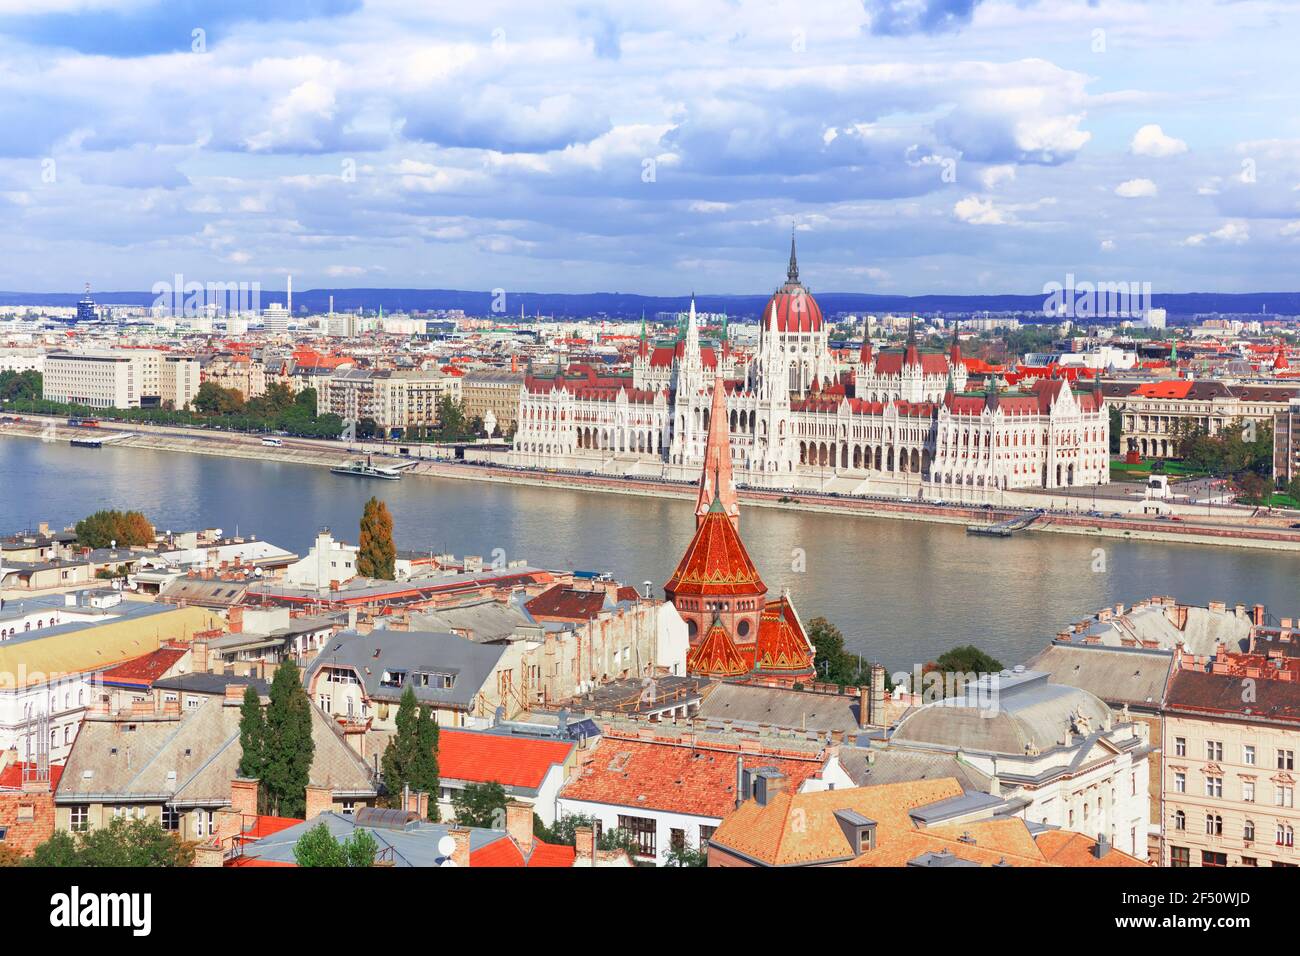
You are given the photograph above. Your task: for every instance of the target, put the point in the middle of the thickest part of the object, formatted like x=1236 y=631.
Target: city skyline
x=960 y=148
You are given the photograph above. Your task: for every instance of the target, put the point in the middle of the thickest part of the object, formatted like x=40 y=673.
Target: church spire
x=792 y=273
x=717 y=486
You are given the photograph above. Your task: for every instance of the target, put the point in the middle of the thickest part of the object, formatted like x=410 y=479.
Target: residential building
x=495 y=391
x=530 y=768
x=1058 y=751
x=1231 y=734
x=175 y=766
x=1286 y=443
x=672 y=791
x=397 y=401
x=922 y=823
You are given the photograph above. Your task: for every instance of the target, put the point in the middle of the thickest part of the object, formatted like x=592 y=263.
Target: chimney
x=1259 y=615
x=234 y=694
x=209 y=854
x=319 y=800
x=584 y=845
x=199 y=656
x=519 y=824
x=741 y=779
x=460 y=855
x=768 y=782
x=352 y=619
x=235 y=619
x=243 y=795
x=876 y=713
x=1103 y=846
x=864 y=706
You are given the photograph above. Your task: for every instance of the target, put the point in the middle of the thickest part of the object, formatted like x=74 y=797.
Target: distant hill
x=630 y=305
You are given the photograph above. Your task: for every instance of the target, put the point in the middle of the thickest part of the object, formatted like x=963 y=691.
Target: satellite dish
x=446 y=847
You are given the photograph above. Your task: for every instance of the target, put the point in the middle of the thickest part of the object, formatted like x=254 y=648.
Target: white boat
x=364 y=469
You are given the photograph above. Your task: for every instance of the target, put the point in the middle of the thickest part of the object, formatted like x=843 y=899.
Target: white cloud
x=1136 y=189
x=978 y=211
x=1107 y=245
x=993 y=176
x=1231 y=233
x=1151 y=140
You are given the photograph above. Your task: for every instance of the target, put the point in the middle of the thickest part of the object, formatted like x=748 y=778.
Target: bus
x=273 y=442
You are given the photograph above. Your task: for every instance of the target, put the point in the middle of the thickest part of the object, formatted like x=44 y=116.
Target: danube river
x=901 y=591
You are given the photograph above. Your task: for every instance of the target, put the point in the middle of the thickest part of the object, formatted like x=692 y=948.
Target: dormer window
x=393 y=679
x=860 y=831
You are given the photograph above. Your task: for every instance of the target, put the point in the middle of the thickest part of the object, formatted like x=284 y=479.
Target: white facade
x=95 y=379
x=327 y=560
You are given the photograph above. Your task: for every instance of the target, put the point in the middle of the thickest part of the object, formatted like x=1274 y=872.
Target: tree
x=687 y=855
x=123 y=843
x=376 y=554
x=480 y=805
x=318 y=847
x=1116 y=429
x=424 y=774
x=402 y=753
x=127 y=528
x=967 y=659
x=252 y=736
x=834 y=664
x=287 y=746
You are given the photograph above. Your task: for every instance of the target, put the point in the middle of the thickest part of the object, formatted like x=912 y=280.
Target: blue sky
x=915 y=146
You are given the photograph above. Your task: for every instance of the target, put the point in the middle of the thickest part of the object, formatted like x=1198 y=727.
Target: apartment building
x=1154 y=415
x=1286 y=443
x=179 y=380
x=238 y=372
x=120 y=378
x=495 y=390
x=96 y=379
x=1231 y=733
x=396 y=400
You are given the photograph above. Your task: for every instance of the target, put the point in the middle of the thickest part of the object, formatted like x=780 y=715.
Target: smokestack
x=289 y=295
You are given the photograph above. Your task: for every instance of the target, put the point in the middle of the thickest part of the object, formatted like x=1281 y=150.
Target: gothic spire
x=717 y=486
x=792 y=273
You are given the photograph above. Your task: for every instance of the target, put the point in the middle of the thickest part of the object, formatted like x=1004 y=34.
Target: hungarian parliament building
x=894 y=422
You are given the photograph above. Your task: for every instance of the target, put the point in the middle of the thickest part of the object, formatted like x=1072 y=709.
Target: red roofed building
x=717 y=590
x=800 y=415
x=530 y=769
x=133 y=680
x=26 y=804
x=674 y=791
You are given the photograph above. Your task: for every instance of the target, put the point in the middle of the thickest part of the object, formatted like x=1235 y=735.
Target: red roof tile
x=481 y=757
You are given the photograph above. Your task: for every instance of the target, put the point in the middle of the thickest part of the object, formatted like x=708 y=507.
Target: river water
x=902 y=592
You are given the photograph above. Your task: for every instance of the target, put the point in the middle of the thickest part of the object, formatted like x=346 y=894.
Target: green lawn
x=1173 y=469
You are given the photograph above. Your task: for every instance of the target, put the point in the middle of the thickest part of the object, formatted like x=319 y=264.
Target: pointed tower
x=792 y=271
x=954 y=350
x=913 y=355
x=716 y=482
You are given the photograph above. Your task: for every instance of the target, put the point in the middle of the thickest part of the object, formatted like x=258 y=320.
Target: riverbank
x=318 y=453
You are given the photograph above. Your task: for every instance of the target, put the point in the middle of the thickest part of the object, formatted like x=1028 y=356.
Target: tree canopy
x=411 y=757
x=278 y=746
x=318 y=847
x=376 y=553
x=123 y=843
x=127 y=528
x=480 y=805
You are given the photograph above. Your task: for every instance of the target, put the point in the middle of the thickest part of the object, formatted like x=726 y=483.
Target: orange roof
x=505 y=852
x=716 y=655
x=11 y=778
x=768 y=834
x=511 y=761
x=715 y=562
x=675 y=776
x=1174 y=388
x=782 y=644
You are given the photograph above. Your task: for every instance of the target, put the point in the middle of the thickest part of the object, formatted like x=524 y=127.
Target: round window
x=743 y=628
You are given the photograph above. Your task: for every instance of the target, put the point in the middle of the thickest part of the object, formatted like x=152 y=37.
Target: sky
x=913 y=146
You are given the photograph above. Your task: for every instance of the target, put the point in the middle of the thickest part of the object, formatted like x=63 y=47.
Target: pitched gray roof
x=187 y=759
x=1003 y=714
x=1117 y=675
x=779 y=707
x=415 y=844
x=370 y=655
x=872 y=767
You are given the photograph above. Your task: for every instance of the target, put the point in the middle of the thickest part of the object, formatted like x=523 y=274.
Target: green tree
x=376 y=554
x=21 y=386
x=123 y=843
x=59 y=850
x=480 y=805
x=1116 y=429
x=212 y=399
x=687 y=855
x=318 y=847
x=252 y=736
x=402 y=753
x=424 y=775
x=288 y=748
x=834 y=663
x=962 y=662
